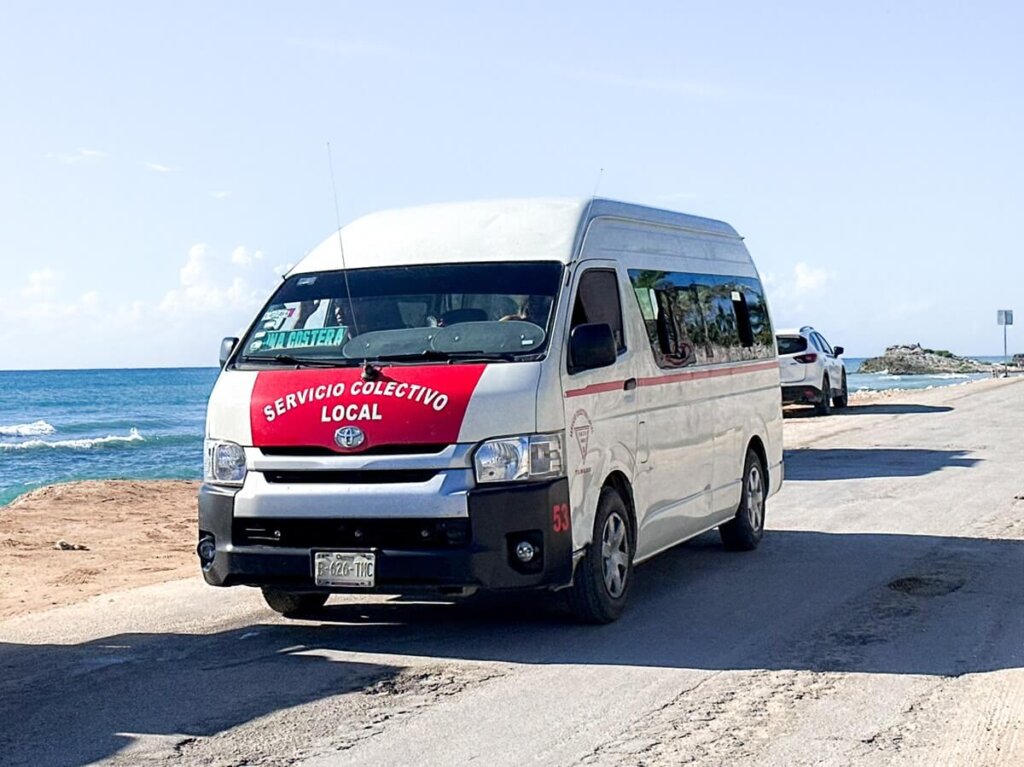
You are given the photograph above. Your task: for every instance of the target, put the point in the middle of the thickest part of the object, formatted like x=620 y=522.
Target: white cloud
x=214 y=296
x=81 y=155
x=158 y=168
x=42 y=283
x=192 y=272
x=797 y=296
x=210 y=285
x=222 y=195
x=242 y=257
x=808 y=279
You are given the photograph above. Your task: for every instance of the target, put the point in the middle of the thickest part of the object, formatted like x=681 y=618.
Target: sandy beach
x=134 y=534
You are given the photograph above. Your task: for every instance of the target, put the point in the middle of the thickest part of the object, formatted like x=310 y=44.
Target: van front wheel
x=603 y=577
x=743 y=532
x=293 y=605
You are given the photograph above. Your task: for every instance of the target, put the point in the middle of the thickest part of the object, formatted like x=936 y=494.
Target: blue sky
x=160 y=161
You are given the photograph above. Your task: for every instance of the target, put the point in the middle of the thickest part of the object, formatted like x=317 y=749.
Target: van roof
x=544 y=229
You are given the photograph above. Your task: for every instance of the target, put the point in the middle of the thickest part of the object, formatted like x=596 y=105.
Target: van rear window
x=792 y=344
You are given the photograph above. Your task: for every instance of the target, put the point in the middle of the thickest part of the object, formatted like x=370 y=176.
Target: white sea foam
x=37 y=429
x=73 y=444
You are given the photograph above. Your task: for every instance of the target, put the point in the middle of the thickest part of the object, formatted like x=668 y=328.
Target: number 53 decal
x=560 y=521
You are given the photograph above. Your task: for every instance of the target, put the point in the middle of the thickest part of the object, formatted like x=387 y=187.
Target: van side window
x=673 y=317
x=739 y=306
x=696 y=319
x=720 y=321
x=597 y=300
x=760 y=323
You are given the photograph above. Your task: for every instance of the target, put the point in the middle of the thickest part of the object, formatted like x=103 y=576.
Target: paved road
x=881 y=622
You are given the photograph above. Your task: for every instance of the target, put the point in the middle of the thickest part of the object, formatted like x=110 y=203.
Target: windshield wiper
x=310 y=362
x=434 y=355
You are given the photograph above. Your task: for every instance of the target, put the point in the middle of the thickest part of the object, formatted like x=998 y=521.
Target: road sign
x=1004 y=317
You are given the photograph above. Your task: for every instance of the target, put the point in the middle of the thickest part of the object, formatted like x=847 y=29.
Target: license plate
x=344 y=568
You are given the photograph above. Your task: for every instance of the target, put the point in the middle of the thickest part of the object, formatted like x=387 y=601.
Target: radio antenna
x=586 y=216
x=341 y=246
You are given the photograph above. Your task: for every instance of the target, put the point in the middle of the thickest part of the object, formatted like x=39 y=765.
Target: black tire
x=604 y=576
x=824 y=406
x=844 y=396
x=293 y=605
x=744 y=531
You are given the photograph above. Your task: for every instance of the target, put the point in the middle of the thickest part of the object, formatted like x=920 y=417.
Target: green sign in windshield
x=300 y=339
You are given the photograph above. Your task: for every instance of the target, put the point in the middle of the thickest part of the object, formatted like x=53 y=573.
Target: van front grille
x=351 y=476
x=352 y=533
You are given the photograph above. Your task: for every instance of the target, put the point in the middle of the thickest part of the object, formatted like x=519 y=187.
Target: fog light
x=525 y=551
x=207 y=550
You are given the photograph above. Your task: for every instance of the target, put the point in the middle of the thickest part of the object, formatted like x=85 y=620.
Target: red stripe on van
x=688 y=375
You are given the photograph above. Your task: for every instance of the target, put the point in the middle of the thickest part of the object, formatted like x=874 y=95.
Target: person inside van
x=535 y=309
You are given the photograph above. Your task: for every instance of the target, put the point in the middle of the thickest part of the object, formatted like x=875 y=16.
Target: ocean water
x=866 y=382
x=58 y=426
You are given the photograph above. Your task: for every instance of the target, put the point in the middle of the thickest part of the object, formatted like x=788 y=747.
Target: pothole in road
x=927 y=586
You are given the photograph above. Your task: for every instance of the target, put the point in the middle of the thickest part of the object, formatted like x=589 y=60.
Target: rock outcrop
x=916 y=360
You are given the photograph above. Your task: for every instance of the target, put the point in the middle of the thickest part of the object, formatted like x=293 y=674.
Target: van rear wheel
x=744 y=531
x=603 y=577
x=291 y=604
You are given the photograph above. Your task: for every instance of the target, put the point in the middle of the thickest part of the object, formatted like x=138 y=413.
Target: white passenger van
x=527 y=394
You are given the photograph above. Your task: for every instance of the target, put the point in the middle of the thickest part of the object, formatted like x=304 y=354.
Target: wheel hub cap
x=615 y=554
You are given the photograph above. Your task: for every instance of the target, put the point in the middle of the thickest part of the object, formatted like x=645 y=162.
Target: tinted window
x=698 y=318
x=673 y=316
x=792 y=344
x=823 y=344
x=760 y=322
x=597 y=300
x=720 y=321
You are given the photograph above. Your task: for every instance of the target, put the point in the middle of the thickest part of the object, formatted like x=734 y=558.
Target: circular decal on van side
x=581 y=429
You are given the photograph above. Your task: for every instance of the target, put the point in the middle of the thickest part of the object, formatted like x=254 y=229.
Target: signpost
x=1004 y=317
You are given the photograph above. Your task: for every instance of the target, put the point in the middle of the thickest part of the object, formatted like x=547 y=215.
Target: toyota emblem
x=349 y=437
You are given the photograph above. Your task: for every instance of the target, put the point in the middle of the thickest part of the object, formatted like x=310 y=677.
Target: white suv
x=811 y=371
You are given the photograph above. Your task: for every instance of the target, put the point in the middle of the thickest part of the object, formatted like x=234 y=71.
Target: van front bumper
x=413 y=553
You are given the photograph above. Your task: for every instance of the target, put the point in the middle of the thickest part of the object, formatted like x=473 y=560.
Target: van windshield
x=448 y=312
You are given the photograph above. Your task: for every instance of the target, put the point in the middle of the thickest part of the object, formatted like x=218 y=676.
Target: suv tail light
x=807 y=359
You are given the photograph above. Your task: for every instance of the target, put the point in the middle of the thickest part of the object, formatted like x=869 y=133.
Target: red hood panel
x=404 y=405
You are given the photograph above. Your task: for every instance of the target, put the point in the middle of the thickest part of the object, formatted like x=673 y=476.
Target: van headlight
x=520 y=459
x=223 y=462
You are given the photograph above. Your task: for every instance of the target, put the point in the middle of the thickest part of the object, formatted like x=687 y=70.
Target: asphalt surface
x=881 y=622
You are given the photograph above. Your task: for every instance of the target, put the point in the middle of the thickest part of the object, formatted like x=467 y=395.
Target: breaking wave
x=37 y=429
x=74 y=444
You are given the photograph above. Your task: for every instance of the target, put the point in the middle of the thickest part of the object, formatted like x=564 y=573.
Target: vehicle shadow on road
x=823 y=464
x=867 y=603
x=868 y=409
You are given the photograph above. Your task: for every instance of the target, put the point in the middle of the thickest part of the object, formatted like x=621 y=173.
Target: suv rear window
x=792 y=344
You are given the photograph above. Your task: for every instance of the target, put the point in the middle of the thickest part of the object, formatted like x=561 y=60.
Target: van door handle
x=629 y=385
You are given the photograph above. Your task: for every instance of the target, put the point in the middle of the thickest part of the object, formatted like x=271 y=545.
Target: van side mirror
x=839 y=351
x=227 y=346
x=591 y=346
